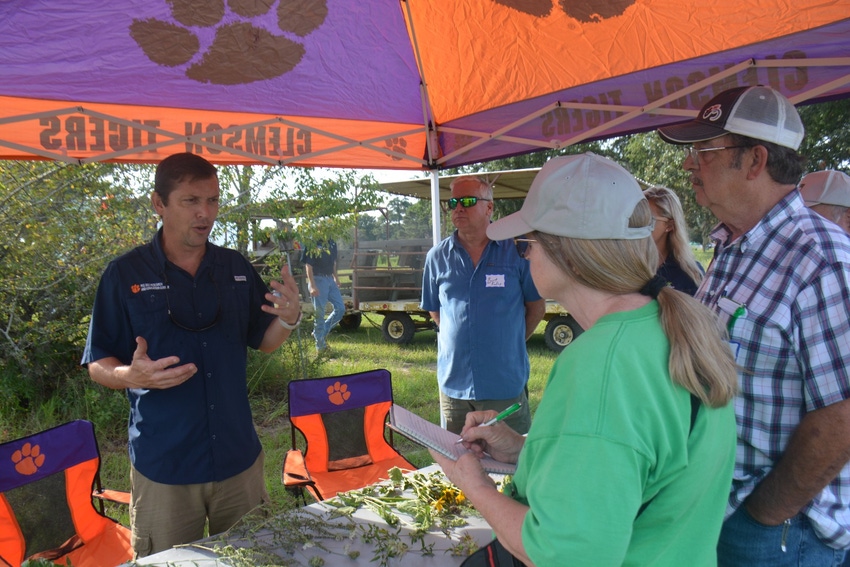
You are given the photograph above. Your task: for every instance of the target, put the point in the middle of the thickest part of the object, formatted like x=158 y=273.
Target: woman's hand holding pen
x=497 y=440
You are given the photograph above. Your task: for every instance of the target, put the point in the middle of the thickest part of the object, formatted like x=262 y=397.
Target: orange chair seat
x=343 y=421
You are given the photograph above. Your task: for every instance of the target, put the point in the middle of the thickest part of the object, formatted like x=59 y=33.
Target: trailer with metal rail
x=386 y=279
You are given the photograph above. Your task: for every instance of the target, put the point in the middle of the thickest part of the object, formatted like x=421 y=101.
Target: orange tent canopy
x=395 y=84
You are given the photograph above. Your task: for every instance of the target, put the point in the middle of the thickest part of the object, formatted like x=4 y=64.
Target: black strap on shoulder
x=695 y=405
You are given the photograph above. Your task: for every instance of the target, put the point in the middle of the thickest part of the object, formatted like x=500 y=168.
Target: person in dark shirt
x=677 y=262
x=171 y=325
x=320 y=263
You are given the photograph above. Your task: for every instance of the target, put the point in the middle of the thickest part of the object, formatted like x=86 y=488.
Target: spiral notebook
x=435 y=437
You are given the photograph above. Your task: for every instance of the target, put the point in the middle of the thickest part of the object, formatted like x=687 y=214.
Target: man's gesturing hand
x=144 y=372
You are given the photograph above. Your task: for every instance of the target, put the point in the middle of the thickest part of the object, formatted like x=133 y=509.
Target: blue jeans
x=328 y=291
x=744 y=542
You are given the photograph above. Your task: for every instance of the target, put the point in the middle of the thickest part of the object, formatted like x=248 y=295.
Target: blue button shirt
x=201 y=430
x=481 y=351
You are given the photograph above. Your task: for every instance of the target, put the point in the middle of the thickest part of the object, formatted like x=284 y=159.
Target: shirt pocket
x=148 y=311
x=236 y=308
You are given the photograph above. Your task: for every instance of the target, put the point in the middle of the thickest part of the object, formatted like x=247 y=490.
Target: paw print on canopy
x=585 y=11
x=243 y=51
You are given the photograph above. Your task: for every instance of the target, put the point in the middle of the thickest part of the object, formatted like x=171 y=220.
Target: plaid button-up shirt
x=791 y=272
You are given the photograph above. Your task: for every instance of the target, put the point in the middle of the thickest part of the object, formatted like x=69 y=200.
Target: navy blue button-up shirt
x=201 y=430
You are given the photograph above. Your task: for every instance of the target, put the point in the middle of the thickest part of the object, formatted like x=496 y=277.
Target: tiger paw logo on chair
x=338 y=427
x=51 y=494
x=28 y=459
x=338 y=393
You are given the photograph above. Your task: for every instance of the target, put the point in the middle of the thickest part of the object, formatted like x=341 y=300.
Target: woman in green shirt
x=629 y=457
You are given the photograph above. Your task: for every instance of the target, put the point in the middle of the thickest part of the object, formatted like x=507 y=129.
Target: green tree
x=59 y=226
x=827 y=141
x=417 y=220
x=321 y=206
x=655 y=162
x=395 y=211
x=370 y=227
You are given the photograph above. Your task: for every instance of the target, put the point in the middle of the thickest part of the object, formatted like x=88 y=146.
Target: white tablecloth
x=348 y=550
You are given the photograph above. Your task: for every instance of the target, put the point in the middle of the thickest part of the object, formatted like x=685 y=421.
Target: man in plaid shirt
x=780 y=282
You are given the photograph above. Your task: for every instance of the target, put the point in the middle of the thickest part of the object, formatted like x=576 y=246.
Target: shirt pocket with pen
x=732 y=315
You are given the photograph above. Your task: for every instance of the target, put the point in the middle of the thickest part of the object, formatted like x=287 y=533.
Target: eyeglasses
x=693 y=153
x=465 y=201
x=180 y=325
x=523 y=245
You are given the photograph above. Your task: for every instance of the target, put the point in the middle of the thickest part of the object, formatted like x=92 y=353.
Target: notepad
x=435 y=437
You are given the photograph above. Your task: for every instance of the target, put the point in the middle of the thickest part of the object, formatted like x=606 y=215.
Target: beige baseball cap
x=579 y=196
x=828 y=187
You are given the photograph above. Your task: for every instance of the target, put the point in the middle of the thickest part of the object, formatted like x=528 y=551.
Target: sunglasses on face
x=465 y=201
x=523 y=245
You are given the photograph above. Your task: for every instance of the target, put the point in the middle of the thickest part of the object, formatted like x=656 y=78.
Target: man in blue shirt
x=322 y=282
x=480 y=294
x=171 y=324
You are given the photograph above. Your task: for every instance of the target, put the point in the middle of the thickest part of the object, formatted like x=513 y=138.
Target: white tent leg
x=435 y=206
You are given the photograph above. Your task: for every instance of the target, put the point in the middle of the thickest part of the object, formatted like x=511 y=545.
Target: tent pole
x=435 y=206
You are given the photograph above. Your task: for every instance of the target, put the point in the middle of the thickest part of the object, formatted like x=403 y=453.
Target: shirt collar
x=778 y=215
x=162 y=261
x=454 y=241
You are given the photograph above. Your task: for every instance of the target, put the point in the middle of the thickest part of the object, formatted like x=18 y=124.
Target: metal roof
x=507 y=184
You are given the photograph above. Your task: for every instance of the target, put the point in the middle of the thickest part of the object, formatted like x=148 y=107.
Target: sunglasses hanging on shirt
x=183 y=326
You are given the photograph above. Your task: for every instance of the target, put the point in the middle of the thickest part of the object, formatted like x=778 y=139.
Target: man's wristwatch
x=293 y=326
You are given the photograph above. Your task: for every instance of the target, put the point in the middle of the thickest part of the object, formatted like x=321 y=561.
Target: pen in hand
x=504 y=414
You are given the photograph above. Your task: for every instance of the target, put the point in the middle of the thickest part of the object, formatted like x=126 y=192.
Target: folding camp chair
x=343 y=420
x=46 y=507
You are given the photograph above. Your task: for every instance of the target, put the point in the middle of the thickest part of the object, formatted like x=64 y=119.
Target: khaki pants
x=165 y=515
x=454 y=412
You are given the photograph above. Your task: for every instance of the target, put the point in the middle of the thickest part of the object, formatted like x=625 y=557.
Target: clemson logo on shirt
x=135 y=288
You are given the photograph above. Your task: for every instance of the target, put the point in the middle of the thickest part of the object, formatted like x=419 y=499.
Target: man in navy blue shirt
x=171 y=324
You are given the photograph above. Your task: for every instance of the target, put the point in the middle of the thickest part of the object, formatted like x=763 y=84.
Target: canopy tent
x=392 y=84
x=396 y=84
